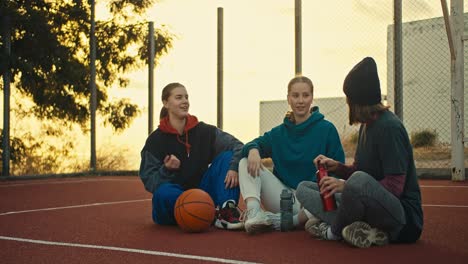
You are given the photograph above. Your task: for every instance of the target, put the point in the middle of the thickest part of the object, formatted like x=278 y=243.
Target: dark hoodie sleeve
x=263 y=144
x=224 y=142
x=334 y=147
x=153 y=172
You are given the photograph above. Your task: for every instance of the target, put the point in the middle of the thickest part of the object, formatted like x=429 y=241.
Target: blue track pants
x=165 y=197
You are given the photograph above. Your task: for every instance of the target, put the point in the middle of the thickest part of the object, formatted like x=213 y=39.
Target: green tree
x=49 y=58
x=18 y=149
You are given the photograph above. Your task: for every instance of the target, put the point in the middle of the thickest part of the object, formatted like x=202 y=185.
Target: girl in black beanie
x=379 y=200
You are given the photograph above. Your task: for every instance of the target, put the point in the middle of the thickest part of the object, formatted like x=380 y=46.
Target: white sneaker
x=258 y=222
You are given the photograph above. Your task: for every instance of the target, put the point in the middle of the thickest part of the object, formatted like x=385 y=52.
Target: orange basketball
x=194 y=211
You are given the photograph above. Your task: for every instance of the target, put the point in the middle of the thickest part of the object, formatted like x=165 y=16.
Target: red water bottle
x=329 y=204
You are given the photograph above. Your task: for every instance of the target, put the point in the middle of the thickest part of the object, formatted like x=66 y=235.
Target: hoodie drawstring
x=165 y=126
x=187 y=145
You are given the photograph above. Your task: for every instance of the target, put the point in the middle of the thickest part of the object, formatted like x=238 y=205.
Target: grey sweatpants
x=363 y=199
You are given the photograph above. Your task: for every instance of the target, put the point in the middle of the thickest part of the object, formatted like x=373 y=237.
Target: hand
x=171 y=162
x=329 y=186
x=330 y=164
x=232 y=179
x=254 y=163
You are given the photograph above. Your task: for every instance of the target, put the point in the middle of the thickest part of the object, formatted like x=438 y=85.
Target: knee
x=243 y=168
x=357 y=182
x=359 y=178
x=303 y=190
x=226 y=155
x=166 y=190
x=302 y=186
x=243 y=163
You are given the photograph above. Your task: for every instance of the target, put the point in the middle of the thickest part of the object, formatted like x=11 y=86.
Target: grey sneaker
x=258 y=222
x=317 y=228
x=362 y=235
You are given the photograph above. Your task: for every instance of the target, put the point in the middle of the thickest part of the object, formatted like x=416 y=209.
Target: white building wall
x=335 y=110
x=426 y=84
x=426 y=76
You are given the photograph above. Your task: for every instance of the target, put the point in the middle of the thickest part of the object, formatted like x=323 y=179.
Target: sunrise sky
x=258 y=54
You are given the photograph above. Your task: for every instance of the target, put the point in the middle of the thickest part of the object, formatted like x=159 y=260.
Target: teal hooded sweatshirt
x=293 y=148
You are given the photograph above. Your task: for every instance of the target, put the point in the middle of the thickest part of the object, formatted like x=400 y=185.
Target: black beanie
x=362 y=85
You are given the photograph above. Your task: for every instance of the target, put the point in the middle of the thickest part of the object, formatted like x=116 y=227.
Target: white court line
x=143 y=200
x=63 y=182
x=130 y=250
x=445 y=205
x=443 y=186
x=137 y=179
x=72 y=206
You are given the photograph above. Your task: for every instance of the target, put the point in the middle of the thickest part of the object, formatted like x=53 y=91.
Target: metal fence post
x=298 y=36
x=150 y=77
x=220 y=69
x=6 y=98
x=92 y=87
x=457 y=95
x=398 y=58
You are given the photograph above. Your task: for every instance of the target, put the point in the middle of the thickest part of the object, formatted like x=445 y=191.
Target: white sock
x=296 y=220
x=309 y=214
x=299 y=217
x=253 y=206
x=331 y=236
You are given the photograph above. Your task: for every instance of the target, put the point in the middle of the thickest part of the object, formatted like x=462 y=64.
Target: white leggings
x=266 y=188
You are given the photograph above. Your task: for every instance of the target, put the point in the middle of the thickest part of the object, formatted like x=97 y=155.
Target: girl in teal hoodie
x=292 y=146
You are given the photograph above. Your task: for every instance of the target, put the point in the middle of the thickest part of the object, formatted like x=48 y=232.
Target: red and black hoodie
x=198 y=145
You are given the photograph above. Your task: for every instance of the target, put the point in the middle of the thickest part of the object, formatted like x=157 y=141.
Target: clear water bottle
x=286 y=207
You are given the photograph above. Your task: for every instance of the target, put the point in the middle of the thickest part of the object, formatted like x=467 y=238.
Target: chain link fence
x=426 y=77
x=335 y=34
x=426 y=82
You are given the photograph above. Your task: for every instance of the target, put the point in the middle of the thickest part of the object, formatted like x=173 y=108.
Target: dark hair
x=363 y=113
x=166 y=92
x=298 y=79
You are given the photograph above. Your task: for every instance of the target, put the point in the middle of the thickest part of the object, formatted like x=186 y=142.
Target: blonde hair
x=301 y=79
x=298 y=79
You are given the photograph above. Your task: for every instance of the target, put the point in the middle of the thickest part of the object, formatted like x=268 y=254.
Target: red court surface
x=108 y=220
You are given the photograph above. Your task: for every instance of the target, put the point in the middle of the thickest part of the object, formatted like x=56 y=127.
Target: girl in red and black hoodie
x=184 y=153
